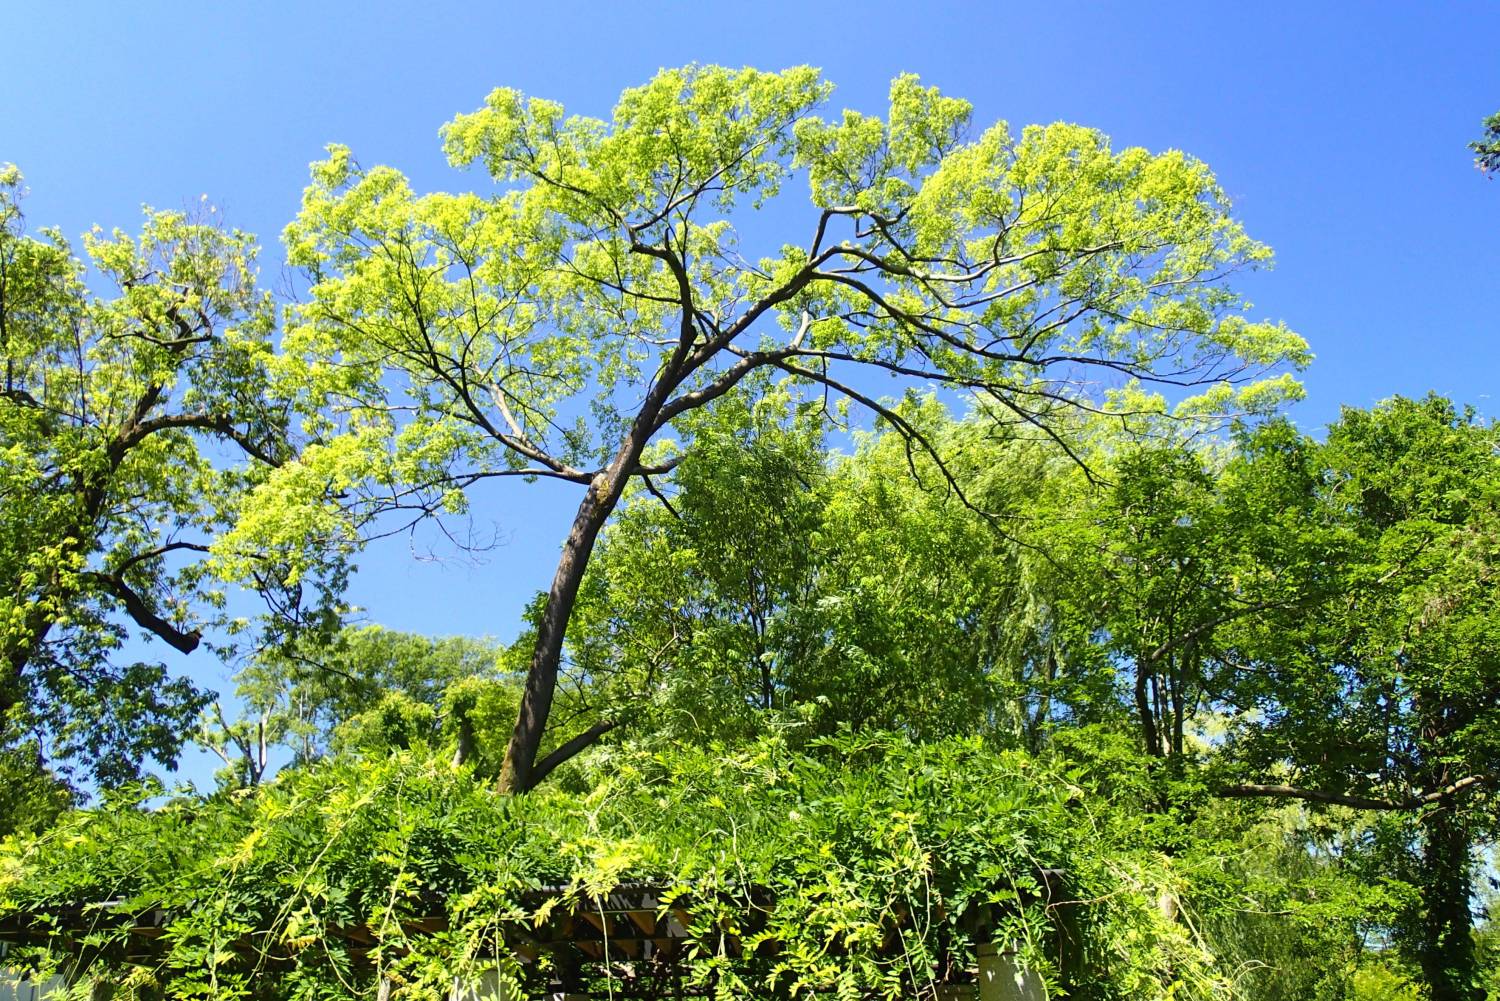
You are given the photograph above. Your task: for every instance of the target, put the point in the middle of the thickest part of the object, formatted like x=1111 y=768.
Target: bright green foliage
x=575 y=315
x=864 y=836
x=31 y=795
x=1009 y=609
x=112 y=412
x=1380 y=982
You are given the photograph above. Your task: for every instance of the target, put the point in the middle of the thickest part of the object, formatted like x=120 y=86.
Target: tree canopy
x=569 y=321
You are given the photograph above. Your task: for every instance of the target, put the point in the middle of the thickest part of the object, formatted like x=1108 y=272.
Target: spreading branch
x=1436 y=796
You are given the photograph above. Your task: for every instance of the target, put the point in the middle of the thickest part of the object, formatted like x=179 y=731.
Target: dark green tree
x=1385 y=696
x=774 y=583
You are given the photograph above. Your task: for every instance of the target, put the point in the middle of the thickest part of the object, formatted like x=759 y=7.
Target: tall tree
x=1385 y=696
x=1145 y=565
x=1328 y=609
x=114 y=414
x=564 y=324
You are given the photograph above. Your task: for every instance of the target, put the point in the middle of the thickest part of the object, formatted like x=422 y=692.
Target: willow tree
x=562 y=322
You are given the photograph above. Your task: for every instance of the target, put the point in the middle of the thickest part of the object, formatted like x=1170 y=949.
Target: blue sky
x=1339 y=131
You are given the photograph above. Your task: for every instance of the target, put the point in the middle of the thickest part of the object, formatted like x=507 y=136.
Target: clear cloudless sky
x=1338 y=130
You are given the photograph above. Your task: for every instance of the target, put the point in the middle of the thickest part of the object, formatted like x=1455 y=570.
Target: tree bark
x=1143 y=709
x=516 y=775
x=519 y=772
x=1247 y=790
x=1446 y=946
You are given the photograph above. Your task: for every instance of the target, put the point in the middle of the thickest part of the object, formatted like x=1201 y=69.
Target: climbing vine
x=858 y=867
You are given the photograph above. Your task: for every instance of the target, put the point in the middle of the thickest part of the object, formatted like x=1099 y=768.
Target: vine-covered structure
x=638 y=940
x=855 y=867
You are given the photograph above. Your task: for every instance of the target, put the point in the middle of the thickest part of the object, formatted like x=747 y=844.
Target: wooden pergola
x=632 y=942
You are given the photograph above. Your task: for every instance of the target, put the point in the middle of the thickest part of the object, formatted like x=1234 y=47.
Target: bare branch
x=570 y=749
x=144 y=617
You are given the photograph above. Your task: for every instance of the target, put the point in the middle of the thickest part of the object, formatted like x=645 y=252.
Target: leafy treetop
x=565 y=323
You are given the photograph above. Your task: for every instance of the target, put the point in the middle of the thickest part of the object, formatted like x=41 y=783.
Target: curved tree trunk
x=520 y=771
x=517 y=774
